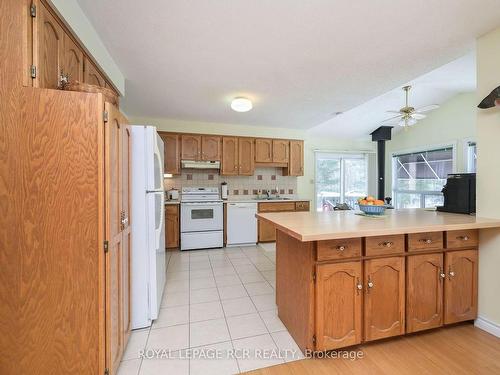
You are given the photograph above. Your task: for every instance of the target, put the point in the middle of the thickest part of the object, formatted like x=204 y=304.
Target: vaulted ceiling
x=299 y=61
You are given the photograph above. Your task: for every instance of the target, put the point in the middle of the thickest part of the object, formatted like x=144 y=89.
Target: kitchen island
x=343 y=279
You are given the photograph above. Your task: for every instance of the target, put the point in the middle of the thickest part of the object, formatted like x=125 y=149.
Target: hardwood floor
x=462 y=349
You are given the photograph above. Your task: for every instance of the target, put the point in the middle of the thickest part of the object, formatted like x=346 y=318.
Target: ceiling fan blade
x=393 y=112
x=392 y=118
x=418 y=116
x=427 y=108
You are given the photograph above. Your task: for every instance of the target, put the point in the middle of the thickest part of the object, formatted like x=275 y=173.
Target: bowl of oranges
x=371 y=206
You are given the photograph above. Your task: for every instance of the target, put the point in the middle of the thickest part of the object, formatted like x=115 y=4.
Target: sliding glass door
x=340 y=178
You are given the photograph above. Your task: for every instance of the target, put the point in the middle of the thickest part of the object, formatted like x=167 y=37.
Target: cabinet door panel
x=229 y=156
x=211 y=148
x=91 y=74
x=384 y=304
x=424 y=302
x=460 y=290
x=263 y=150
x=72 y=64
x=172 y=226
x=114 y=256
x=280 y=151
x=246 y=157
x=49 y=41
x=190 y=147
x=338 y=305
x=267 y=232
x=296 y=162
x=172 y=153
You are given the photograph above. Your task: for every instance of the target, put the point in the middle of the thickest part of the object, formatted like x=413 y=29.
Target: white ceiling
x=435 y=87
x=299 y=61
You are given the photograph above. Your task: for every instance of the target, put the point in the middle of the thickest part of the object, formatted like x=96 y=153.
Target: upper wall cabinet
x=92 y=75
x=229 y=165
x=296 y=162
x=263 y=150
x=211 y=147
x=190 y=147
x=72 y=63
x=280 y=150
x=172 y=153
x=48 y=49
x=51 y=52
x=246 y=157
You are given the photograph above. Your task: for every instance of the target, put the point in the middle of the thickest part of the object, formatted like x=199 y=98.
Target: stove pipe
x=381 y=135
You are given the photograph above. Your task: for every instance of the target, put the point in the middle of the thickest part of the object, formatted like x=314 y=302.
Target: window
x=419 y=177
x=471 y=157
x=340 y=178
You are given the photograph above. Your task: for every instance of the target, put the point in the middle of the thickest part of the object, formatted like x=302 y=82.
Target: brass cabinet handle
x=463 y=238
x=370 y=284
x=386 y=244
x=442 y=275
x=359 y=286
x=341 y=248
x=450 y=273
x=426 y=240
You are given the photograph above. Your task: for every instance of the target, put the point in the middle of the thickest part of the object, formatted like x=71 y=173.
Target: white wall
x=488 y=180
x=71 y=12
x=454 y=123
x=305 y=184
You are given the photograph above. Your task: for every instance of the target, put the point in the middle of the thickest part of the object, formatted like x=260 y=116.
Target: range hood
x=191 y=164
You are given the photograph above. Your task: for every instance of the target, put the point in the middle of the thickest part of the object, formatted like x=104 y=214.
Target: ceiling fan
x=408 y=116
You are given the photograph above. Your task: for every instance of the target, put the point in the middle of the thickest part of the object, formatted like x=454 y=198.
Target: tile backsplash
x=263 y=179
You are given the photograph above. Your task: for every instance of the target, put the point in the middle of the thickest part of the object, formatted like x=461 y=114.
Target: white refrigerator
x=148 y=266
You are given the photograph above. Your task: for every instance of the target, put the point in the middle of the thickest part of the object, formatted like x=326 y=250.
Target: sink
x=273 y=199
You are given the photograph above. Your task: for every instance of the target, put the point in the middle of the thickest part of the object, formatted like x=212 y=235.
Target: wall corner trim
x=487 y=325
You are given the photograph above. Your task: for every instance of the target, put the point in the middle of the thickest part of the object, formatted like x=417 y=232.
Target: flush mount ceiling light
x=241 y=105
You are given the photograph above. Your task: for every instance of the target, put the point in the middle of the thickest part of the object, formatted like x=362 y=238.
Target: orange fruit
x=363 y=202
x=379 y=202
x=370 y=198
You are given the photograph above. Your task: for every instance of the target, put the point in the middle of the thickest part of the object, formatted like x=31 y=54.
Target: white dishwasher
x=241 y=224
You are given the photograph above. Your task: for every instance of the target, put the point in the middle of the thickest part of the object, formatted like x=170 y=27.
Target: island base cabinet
x=338 y=305
x=460 y=288
x=424 y=291
x=384 y=301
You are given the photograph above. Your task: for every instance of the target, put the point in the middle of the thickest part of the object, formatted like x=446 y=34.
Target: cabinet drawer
x=301 y=206
x=339 y=249
x=276 y=207
x=425 y=241
x=457 y=239
x=381 y=245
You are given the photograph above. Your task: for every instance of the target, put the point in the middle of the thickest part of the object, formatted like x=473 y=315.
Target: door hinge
x=105 y=116
x=33 y=71
x=106 y=371
x=314 y=339
x=106 y=246
x=33 y=10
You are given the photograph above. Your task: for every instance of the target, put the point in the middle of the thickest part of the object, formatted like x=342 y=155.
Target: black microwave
x=459 y=194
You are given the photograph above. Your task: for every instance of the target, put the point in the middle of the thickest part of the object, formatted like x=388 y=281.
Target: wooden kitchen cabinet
x=296 y=160
x=246 y=157
x=172 y=226
x=266 y=230
x=230 y=164
x=263 y=150
x=211 y=148
x=280 y=150
x=338 y=307
x=172 y=162
x=384 y=302
x=72 y=62
x=460 y=288
x=92 y=75
x=424 y=292
x=48 y=47
x=190 y=147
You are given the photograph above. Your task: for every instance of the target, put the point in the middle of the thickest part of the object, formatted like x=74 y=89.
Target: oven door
x=201 y=216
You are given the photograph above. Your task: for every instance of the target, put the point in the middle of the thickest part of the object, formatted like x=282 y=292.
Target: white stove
x=201 y=218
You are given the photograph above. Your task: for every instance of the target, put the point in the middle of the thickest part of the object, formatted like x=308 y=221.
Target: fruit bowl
x=372 y=209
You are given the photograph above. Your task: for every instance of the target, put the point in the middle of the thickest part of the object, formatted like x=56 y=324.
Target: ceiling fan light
x=411 y=121
x=241 y=104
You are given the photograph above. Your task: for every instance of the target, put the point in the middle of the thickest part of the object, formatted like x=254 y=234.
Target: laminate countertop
x=314 y=226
